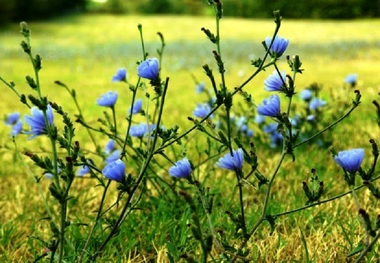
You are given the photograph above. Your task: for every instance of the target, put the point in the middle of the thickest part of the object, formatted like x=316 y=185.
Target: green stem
x=96 y=220
x=239 y=177
x=219 y=53
x=321 y=202
x=264 y=209
x=368 y=248
x=327 y=128
x=134 y=91
x=12 y=87
x=114 y=120
x=139 y=26
x=138 y=181
x=209 y=221
x=81 y=117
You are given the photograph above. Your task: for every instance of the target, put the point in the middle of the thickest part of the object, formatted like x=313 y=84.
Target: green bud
x=37 y=62
x=26 y=47
x=31 y=82
x=25 y=31
x=277 y=16
x=210 y=35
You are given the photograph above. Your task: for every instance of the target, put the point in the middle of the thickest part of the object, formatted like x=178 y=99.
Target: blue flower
x=121 y=75
x=136 y=107
x=275 y=139
x=141 y=129
x=350 y=160
x=108 y=99
x=232 y=162
x=306 y=94
x=110 y=146
x=181 y=169
x=37 y=121
x=241 y=121
x=200 y=87
x=351 y=79
x=310 y=118
x=279 y=45
x=259 y=119
x=316 y=103
x=149 y=69
x=275 y=82
x=12 y=118
x=113 y=156
x=270 y=106
x=83 y=170
x=271 y=127
x=295 y=120
x=249 y=133
x=115 y=170
x=17 y=128
x=202 y=110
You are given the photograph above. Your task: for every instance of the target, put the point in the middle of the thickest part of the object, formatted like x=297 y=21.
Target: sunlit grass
x=85 y=51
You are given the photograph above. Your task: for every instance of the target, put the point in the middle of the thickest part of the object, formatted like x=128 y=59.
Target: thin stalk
x=72 y=94
x=264 y=209
x=209 y=221
x=219 y=53
x=139 y=26
x=134 y=91
x=368 y=248
x=12 y=87
x=357 y=204
x=114 y=120
x=321 y=202
x=327 y=128
x=138 y=181
x=96 y=221
x=241 y=205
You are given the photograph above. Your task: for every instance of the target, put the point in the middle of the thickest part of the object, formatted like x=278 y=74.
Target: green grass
x=85 y=51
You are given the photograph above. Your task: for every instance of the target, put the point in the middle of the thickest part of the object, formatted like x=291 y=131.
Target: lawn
x=84 y=52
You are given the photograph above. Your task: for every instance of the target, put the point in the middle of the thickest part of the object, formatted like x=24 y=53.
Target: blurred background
x=17 y=10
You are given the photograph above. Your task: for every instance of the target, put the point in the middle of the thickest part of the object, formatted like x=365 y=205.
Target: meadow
x=84 y=52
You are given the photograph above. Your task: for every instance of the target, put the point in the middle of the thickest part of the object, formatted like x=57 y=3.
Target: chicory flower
x=276 y=81
x=110 y=146
x=232 y=162
x=136 y=107
x=149 y=69
x=121 y=75
x=350 y=160
x=108 y=99
x=141 y=129
x=306 y=94
x=37 y=121
x=279 y=45
x=351 y=79
x=316 y=103
x=181 y=169
x=115 y=170
x=113 y=156
x=270 y=106
x=12 y=118
x=202 y=110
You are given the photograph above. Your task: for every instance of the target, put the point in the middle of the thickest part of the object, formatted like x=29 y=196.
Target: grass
x=85 y=51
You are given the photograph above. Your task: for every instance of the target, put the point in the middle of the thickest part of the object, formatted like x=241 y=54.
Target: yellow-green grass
x=85 y=51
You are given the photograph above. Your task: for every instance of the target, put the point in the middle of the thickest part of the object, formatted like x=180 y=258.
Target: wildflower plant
x=146 y=160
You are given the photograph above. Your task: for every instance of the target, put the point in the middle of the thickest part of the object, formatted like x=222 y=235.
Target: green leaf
x=359 y=248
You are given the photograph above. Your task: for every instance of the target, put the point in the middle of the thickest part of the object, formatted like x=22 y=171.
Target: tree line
x=17 y=10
